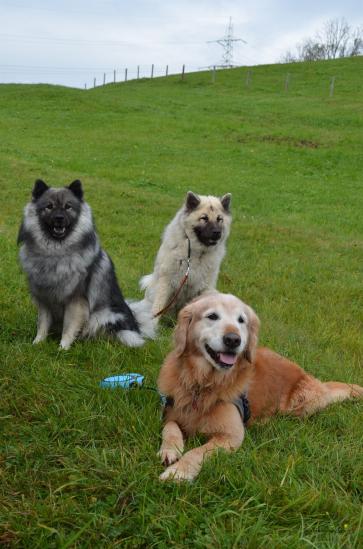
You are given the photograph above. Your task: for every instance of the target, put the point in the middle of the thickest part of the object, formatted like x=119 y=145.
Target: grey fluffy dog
x=71 y=279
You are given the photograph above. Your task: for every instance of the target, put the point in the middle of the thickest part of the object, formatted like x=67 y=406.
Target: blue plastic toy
x=125 y=381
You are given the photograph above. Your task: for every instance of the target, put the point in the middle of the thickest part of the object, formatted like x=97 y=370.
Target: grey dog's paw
x=65 y=345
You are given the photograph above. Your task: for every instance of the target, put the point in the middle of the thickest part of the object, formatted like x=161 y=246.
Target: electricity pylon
x=227 y=45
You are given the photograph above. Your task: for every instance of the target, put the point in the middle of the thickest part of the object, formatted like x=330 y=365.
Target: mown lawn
x=78 y=465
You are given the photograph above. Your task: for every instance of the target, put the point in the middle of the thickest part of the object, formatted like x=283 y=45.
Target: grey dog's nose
x=231 y=340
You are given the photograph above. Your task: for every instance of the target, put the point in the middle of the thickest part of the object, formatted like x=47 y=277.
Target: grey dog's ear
x=39 y=188
x=76 y=188
x=181 y=330
x=226 y=202
x=192 y=201
x=253 y=330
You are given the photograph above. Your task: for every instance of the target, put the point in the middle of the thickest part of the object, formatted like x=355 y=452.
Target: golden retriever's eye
x=241 y=319
x=68 y=207
x=49 y=206
x=204 y=218
x=213 y=316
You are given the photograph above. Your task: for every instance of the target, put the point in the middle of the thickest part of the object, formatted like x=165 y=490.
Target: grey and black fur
x=71 y=279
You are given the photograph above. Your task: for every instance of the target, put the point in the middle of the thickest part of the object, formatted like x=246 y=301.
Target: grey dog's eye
x=49 y=206
x=213 y=316
x=241 y=319
x=68 y=207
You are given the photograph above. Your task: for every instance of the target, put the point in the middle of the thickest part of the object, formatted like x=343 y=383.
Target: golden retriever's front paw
x=178 y=472
x=169 y=455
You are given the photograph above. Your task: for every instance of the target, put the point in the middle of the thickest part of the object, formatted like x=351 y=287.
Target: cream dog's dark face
x=221 y=327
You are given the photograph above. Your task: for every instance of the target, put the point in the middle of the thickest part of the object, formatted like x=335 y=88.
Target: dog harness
x=243 y=407
x=241 y=403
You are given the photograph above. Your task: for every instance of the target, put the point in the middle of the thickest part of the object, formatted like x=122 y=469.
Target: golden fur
x=203 y=388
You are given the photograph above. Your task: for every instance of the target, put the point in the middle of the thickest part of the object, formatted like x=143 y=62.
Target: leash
x=183 y=281
x=132 y=380
x=129 y=381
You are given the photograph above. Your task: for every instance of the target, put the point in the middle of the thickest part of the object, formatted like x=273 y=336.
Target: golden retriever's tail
x=342 y=391
x=314 y=395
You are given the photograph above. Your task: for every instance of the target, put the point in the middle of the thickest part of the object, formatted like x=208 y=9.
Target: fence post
x=104 y=78
x=167 y=70
x=125 y=75
x=138 y=71
x=94 y=82
x=331 y=90
x=114 y=76
x=213 y=74
x=152 y=70
x=183 y=71
x=248 y=79
x=287 y=82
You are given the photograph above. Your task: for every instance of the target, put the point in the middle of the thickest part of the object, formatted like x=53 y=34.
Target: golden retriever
x=214 y=362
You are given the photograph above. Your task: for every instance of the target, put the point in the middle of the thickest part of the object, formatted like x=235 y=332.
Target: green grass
x=78 y=465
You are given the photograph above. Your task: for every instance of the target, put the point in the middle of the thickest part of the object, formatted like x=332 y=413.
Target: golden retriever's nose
x=231 y=340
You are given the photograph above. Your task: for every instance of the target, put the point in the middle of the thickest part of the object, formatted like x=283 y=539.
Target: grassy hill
x=78 y=464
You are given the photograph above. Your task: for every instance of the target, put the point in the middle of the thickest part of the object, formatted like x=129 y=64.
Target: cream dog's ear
x=181 y=331
x=253 y=330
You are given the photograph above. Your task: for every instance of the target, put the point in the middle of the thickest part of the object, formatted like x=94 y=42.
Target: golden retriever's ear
x=253 y=330
x=181 y=330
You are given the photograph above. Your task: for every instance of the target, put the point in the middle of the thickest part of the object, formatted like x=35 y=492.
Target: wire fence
x=85 y=77
x=138 y=72
x=154 y=71
x=73 y=76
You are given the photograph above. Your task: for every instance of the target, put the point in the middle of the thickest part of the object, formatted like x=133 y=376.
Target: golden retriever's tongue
x=227 y=358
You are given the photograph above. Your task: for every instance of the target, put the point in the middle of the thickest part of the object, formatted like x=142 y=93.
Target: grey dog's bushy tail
x=142 y=312
x=145 y=281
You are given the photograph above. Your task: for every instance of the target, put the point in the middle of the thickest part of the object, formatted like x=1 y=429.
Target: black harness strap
x=243 y=407
x=241 y=403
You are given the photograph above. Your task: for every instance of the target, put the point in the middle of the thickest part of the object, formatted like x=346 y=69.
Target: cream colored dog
x=215 y=361
x=197 y=233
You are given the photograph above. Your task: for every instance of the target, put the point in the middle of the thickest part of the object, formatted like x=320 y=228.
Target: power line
x=106 y=11
x=76 y=41
x=12 y=66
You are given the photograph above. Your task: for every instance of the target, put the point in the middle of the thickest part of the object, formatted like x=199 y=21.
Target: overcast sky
x=72 y=41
